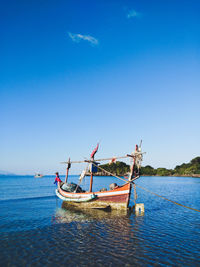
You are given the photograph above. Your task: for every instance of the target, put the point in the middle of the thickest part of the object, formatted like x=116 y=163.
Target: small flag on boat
x=94 y=151
x=113 y=160
x=94 y=168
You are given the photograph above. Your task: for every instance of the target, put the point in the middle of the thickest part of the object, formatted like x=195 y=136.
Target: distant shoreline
x=149 y=175
x=193 y=175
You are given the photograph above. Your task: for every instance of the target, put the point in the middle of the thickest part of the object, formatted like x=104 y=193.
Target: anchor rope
x=174 y=202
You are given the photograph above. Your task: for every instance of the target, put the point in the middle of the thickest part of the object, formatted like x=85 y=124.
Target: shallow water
x=36 y=231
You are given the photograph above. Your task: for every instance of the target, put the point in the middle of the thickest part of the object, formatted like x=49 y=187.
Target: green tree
x=147 y=170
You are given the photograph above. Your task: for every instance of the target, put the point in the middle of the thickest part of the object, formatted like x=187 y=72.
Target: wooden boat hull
x=117 y=198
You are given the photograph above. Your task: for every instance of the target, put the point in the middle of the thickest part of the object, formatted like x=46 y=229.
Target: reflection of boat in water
x=117 y=197
x=38 y=175
x=94 y=237
x=68 y=214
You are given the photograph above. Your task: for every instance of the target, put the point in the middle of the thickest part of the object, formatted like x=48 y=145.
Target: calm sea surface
x=36 y=231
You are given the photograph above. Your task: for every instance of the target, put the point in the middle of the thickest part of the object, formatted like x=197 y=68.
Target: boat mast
x=67 y=172
x=133 y=164
x=91 y=176
x=91 y=179
x=92 y=159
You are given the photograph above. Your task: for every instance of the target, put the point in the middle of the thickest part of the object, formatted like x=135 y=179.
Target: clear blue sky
x=76 y=72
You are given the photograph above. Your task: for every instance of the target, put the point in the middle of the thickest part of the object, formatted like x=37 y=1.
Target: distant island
x=5 y=173
x=186 y=169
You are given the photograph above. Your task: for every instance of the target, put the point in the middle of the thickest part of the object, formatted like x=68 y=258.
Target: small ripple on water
x=116 y=241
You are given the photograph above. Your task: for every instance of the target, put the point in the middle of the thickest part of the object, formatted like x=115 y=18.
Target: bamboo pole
x=104 y=159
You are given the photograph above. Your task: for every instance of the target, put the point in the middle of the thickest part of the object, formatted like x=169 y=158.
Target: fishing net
x=72 y=187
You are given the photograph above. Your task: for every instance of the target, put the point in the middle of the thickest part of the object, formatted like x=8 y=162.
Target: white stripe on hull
x=76 y=199
x=98 y=194
x=105 y=194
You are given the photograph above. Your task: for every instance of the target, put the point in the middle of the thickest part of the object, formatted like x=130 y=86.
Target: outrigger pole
x=105 y=159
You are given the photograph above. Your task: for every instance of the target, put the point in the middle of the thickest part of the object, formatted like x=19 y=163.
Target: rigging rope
x=110 y=173
x=127 y=181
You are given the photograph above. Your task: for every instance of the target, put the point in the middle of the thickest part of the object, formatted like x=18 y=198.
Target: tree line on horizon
x=186 y=169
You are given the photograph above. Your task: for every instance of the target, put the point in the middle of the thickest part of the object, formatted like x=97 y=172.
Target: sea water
x=36 y=231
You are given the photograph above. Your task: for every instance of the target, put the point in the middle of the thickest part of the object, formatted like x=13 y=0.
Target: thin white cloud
x=77 y=37
x=133 y=14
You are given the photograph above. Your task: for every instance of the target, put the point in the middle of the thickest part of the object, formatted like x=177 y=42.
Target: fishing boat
x=117 y=197
x=38 y=175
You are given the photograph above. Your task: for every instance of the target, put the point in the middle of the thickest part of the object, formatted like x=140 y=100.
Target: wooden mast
x=67 y=172
x=91 y=182
x=133 y=164
x=91 y=177
x=92 y=159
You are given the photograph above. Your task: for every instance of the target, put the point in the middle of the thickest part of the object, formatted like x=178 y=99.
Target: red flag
x=113 y=160
x=94 y=151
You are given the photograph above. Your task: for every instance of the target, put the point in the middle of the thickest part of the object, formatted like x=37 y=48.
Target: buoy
x=139 y=209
